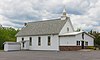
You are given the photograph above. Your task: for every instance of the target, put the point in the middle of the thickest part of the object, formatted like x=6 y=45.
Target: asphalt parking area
x=50 y=55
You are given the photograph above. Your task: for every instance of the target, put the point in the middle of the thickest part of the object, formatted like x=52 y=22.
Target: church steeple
x=64 y=15
x=64 y=12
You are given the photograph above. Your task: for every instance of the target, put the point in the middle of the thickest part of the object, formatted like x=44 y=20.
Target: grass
x=1 y=50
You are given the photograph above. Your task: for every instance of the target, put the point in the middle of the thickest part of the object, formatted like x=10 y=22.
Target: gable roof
x=42 y=28
x=76 y=33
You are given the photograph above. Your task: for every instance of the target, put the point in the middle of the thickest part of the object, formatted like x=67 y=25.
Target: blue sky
x=84 y=14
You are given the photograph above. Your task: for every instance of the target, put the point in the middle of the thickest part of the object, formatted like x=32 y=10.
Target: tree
x=78 y=29
x=96 y=37
x=7 y=34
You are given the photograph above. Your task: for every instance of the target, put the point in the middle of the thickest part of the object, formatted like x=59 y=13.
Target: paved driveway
x=50 y=55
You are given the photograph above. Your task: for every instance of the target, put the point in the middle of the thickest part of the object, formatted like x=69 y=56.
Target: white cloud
x=84 y=22
x=97 y=28
x=84 y=13
x=94 y=11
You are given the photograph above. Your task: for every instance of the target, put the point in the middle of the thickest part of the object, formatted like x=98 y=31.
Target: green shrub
x=91 y=47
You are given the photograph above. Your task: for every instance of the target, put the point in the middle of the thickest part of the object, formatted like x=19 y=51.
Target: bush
x=91 y=47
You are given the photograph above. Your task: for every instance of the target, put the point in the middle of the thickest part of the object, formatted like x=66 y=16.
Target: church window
x=23 y=42
x=49 y=40
x=39 y=41
x=30 y=41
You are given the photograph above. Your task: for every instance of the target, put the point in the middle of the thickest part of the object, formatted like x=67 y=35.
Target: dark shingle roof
x=42 y=28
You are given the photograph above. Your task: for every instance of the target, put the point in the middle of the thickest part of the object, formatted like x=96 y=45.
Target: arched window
x=22 y=39
x=23 y=42
x=49 y=40
x=39 y=41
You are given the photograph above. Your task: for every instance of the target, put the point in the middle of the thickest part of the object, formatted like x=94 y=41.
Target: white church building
x=56 y=34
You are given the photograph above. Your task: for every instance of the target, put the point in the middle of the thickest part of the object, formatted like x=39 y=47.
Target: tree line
x=96 y=37
x=7 y=34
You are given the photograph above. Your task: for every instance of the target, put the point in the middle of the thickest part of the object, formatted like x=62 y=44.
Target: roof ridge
x=45 y=20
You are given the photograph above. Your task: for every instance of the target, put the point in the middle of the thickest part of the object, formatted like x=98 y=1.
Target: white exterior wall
x=71 y=40
x=26 y=45
x=64 y=29
x=89 y=39
x=55 y=41
x=68 y=41
x=44 y=43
